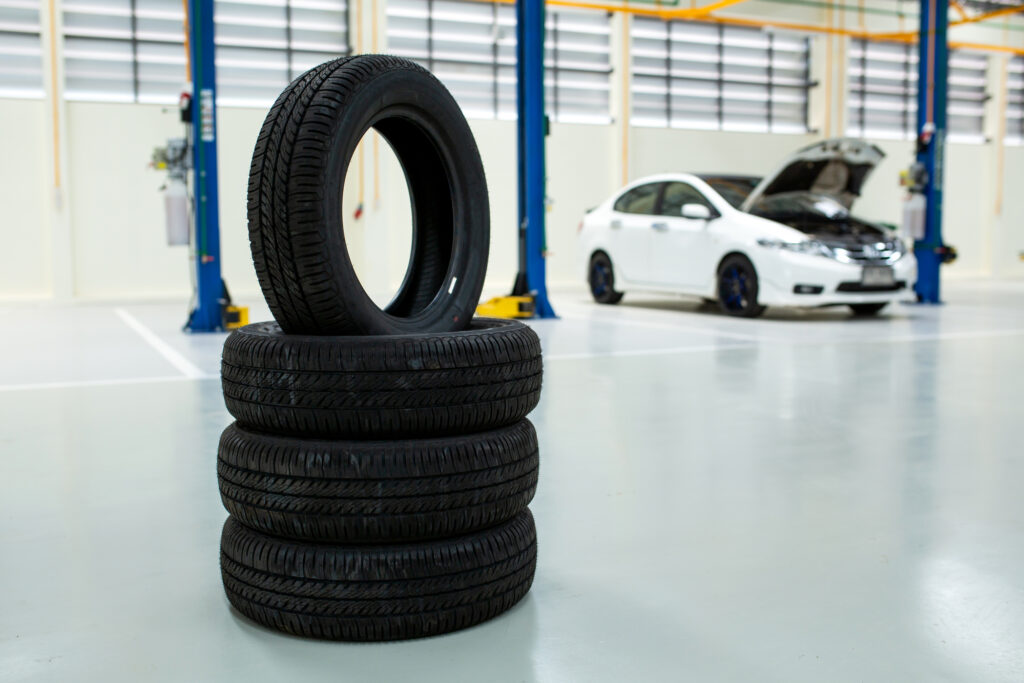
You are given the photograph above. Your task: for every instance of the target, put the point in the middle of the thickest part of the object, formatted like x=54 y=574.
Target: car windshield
x=734 y=189
x=805 y=205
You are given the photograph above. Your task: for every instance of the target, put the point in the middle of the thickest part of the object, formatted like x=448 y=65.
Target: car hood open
x=837 y=167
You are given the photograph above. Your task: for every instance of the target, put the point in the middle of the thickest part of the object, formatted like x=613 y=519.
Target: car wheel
x=867 y=309
x=737 y=287
x=602 y=280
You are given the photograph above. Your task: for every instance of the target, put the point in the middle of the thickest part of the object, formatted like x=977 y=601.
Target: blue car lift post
x=932 y=79
x=531 y=128
x=207 y=316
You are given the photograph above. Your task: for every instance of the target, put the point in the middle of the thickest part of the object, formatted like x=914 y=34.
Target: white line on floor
x=625 y=321
x=98 y=383
x=646 y=352
x=179 y=361
x=936 y=336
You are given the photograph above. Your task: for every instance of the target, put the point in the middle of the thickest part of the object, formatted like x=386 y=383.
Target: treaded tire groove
x=394 y=386
x=373 y=593
x=377 y=491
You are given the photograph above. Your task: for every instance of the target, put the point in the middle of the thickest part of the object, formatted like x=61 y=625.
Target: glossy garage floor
x=805 y=497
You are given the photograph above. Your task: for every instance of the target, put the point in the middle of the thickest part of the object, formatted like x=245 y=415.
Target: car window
x=677 y=194
x=640 y=199
x=733 y=189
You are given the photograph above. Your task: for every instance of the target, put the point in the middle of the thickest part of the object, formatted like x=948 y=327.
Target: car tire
x=298 y=168
x=378 y=592
x=601 y=278
x=398 y=386
x=377 y=491
x=867 y=309
x=738 y=287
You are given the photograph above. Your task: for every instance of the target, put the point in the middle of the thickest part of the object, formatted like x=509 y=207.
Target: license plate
x=877 y=276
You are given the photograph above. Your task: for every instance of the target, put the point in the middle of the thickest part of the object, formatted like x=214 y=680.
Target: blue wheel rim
x=733 y=289
x=600 y=278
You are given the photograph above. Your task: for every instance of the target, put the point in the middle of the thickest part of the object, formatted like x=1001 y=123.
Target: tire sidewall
x=411 y=93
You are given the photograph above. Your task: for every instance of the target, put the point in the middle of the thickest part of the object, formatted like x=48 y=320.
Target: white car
x=786 y=240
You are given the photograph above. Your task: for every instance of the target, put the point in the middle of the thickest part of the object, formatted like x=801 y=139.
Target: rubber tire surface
x=388 y=387
x=377 y=491
x=609 y=296
x=752 y=309
x=374 y=593
x=864 y=310
x=294 y=200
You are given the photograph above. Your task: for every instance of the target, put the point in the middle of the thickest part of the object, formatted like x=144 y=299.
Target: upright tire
x=294 y=200
x=400 y=386
x=601 y=278
x=387 y=592
x=738 y=287
x=377 y=491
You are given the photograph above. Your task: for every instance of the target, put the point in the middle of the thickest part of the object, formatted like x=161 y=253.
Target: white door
x=631 y=232
x=681 y=247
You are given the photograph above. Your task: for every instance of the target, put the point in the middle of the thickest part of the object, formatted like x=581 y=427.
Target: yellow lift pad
x=507 y=307
x=235 y=316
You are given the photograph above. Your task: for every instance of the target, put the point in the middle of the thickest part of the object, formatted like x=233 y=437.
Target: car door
x=631 y=233
x=681 y=246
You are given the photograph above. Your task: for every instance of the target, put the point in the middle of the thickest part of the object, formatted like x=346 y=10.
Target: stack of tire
x=380 y=466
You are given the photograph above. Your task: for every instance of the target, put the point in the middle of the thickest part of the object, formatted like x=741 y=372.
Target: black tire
x=601 y=278
x=737 y=287
x=376 y=491
x=867 y=309
x=383 y=592
x=390 y=387
x=294 y=200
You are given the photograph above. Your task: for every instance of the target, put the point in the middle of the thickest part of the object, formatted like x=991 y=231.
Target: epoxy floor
x=806 y=497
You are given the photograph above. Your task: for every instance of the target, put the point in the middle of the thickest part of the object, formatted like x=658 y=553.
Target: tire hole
x=379 y=240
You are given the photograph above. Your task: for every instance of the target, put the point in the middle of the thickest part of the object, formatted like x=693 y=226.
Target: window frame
x=858 y=89
x=1014 y=133
x=735 y=55
x=132 y=38
x=31 y=34
x=479 y=51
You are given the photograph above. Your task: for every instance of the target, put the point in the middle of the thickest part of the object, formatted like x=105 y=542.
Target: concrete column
x=621 y=173
x=62 y=265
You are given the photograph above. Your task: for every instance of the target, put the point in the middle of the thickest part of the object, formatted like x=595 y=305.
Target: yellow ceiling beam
x=984 y=16
x=703 y=14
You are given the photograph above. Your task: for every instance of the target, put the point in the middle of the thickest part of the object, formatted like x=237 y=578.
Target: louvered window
x=882 y=98
x=1015 y=102
x=471 y=48
x=133 y=50
x=21 y=54
x=715 y=77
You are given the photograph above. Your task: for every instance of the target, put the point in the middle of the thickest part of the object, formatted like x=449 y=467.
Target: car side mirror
x=696 y=211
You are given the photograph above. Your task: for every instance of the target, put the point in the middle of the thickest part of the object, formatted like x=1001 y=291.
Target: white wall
x=116 y=213
x=26 y=194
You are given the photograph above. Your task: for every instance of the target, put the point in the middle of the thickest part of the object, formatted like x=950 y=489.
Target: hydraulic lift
x=529 y=292
x=932 y=90
x=212 y=309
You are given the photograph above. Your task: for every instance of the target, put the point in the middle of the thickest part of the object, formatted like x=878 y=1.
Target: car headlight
x=813 y=247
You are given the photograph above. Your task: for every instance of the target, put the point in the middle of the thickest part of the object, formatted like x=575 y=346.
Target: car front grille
x=875 y=254
x=858 y=287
